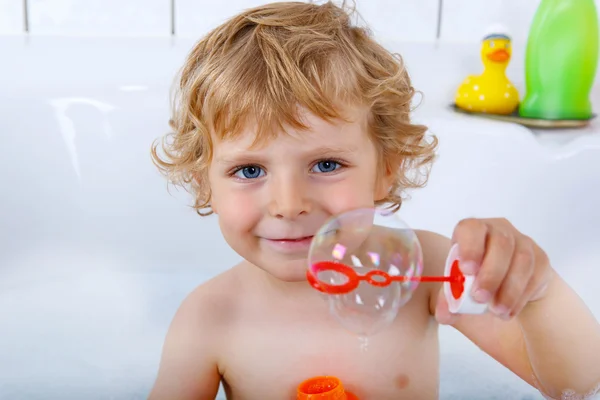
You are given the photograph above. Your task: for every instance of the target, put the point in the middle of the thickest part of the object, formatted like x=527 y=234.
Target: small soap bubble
x=375 y=244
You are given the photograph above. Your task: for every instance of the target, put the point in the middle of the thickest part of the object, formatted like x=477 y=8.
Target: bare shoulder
x=435 y=249
x=212 y=301
x=189 y=366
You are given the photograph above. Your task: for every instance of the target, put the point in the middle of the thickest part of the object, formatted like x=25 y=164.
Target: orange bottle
x=323 y=388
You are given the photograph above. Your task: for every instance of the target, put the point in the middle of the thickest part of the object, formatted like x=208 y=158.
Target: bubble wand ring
x=456 y=278
x=351 y=275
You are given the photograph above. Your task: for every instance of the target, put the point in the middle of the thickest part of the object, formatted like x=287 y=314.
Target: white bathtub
x=95 y=255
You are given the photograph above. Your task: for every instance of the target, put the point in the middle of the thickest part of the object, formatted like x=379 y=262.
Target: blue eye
x=249 y=172
x=326 y=166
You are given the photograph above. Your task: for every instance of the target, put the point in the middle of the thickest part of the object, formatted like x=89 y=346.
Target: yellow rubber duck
x=491 y=92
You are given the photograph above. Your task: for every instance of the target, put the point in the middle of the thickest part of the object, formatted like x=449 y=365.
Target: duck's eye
x=507 y=45
x=492 y=44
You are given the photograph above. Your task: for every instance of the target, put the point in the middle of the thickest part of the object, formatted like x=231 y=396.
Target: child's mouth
x=297 y=239
x=288 y=245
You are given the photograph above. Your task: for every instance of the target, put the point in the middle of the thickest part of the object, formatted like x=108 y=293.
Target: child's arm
x=563 y=341
x=552 y=347
x=553 y=343
x=188 y=368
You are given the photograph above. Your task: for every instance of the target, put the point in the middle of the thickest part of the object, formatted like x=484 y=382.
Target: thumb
x=442 y=312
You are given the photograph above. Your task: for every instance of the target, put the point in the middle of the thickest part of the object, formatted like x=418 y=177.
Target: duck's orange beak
x=499 y=55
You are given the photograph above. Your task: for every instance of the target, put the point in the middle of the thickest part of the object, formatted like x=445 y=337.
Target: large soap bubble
x=368 y=263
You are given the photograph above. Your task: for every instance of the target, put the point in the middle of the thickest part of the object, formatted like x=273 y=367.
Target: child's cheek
x=348 y=195
x=238 y=209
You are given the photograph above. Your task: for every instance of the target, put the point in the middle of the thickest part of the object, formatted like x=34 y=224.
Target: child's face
x=271 y=200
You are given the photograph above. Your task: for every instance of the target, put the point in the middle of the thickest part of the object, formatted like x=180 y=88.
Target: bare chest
x=267 y=360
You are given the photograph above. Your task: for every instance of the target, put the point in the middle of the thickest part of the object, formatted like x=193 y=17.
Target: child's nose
x=289 y=199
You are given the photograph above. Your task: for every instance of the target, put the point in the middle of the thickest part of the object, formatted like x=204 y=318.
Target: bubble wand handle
x=353 y=279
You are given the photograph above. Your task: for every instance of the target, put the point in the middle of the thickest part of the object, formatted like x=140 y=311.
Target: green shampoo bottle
x=560 y=60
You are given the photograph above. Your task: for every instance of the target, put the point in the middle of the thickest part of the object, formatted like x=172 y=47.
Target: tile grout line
x=172 y=17
x=438 y=33
x=26 y=16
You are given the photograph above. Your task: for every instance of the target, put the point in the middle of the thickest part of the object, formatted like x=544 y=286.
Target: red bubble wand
x=456 y=278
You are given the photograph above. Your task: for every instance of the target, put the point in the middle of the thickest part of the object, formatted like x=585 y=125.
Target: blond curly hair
x=262 y=64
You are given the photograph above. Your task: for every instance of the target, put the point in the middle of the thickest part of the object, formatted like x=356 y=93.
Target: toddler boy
x=286 y=115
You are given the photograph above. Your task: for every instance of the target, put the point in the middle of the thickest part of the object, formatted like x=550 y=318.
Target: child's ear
x=386 y=180
x=383 y=190
x=202 y=194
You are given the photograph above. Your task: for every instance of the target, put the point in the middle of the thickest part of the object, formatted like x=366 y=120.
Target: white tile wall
x=100 y=17
x=467 y=20
x=390 y=20
x=406 y=20
x=196 y=17
x=11 y=17
x=401 y=20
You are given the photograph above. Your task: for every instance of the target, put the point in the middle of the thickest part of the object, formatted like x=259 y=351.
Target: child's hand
x=511 y=269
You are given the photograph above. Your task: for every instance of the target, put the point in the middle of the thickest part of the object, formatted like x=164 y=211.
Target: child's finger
x=514 y=287
x=470 y=235
x=498 y=256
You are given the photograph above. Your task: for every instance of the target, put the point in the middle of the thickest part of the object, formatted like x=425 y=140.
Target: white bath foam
x=90 y=310
x=468 y=373
x=74 y=326
x=56 y=258
x=84 y=323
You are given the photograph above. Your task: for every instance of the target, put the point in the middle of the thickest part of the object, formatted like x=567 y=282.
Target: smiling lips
x=290 y=245
x=293 y=239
